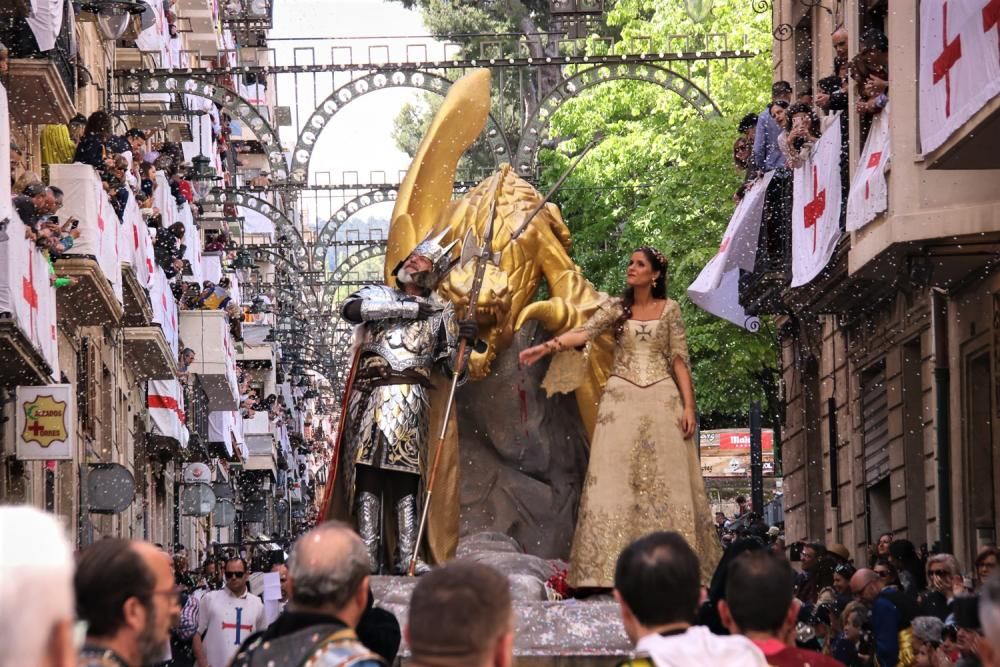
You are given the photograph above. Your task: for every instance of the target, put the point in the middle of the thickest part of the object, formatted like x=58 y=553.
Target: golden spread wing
x=429 y=182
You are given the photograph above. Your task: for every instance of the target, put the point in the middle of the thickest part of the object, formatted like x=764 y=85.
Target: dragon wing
x=429 y=182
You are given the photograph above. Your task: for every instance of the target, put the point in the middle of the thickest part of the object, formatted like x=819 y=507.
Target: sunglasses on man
x=234 y=575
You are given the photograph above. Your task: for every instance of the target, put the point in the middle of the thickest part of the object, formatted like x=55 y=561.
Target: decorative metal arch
x=370 y=83
x=327 y=237
x=352 y=261
x=537 y=127
x=240 y=198
x=231 y=102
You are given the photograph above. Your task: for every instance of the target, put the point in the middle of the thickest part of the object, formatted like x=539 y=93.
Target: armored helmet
x=439 y=255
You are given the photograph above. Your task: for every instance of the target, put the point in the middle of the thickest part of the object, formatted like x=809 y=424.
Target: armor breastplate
x=406 y=344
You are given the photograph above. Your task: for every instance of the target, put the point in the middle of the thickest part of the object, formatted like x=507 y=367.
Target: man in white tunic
x=227 y=617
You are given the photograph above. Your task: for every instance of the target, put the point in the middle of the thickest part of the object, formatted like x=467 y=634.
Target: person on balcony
x=409 y=330
x=871 y=72
x=215 y=296
x=59 y=141
x=801 y=132
x=91 y=149
x=169 y=255
x=766 y=153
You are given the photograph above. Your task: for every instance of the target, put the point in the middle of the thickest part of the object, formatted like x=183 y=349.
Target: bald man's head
x=866 y=584
x=327 y=566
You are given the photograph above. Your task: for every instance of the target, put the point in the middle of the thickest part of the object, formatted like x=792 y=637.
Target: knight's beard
x=424 y=279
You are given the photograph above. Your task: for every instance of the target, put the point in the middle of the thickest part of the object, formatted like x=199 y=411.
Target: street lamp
x=201 y=175
x=113 y=16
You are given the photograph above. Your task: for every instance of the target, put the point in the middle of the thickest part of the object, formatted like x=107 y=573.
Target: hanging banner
x=44 y=423
x=165 y=403
x=959 y=64
x=816 y=207
x=716 y=289
x=869 y=193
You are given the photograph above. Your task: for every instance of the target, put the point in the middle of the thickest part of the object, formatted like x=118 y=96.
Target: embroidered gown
x=643 y=476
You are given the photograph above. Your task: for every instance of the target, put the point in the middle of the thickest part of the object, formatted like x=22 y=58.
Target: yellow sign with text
x=45 y=425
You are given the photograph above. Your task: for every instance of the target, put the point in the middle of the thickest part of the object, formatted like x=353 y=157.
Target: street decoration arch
x=352 y=261
x=260 y=205
x=537 y=126
x=327 y=237
x=370 y=83
x=236 y=106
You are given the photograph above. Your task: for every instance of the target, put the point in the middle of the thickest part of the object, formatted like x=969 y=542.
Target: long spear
x=482 y=258
x=562 y=179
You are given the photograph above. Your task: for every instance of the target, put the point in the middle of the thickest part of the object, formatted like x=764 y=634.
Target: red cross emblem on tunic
x=873 y=161
x=991 y=17
x=950 y=53
x=814 y=209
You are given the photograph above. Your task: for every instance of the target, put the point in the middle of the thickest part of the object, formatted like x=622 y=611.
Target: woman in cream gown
x=643 y=475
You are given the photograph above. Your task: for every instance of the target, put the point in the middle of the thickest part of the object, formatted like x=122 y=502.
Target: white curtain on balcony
x=959 y=64
x=164 y=307
x=26 y=293
x=85 y=199
x=716 y=289
x=254 y=222
x=192 y=239
x=46 y=21
x=5 y=205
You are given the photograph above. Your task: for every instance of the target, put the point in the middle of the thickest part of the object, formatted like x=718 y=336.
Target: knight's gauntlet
x=389 y=310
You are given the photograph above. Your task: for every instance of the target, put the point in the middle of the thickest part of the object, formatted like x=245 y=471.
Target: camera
x=866 y=644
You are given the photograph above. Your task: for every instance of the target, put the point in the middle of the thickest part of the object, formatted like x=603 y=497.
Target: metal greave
x=369 y=516
x=407 y=518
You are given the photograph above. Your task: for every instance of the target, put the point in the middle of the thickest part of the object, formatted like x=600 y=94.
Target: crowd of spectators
x=762 y=610
x=783 y=135
x=127 y=165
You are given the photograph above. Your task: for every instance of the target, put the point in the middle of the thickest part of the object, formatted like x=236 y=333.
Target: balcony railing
x=761 y=290
x=94 y=258
x=196 y=411
x=207 y=333
x=42 y=82
x=27 y=309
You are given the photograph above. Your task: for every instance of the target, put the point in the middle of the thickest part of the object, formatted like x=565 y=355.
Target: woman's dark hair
x=658 y=261
x=99 y=124
x=800 y=107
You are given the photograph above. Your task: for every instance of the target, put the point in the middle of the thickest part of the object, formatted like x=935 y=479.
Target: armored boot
x=368 y=508
x=406 y=536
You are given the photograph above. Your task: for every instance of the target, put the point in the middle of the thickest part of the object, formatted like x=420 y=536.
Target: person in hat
x=409 y=331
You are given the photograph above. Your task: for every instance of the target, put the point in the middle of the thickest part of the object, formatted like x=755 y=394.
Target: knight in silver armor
x=410 y=333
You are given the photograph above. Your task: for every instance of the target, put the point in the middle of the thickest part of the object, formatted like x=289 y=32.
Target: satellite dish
x=110 y=488
x=224 y=513
x=197 y=500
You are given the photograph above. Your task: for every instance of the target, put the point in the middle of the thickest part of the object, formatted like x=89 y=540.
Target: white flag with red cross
x=816 y=208
x=959 y=64
x=869 y=193
x=165 y=401
x=716 y=289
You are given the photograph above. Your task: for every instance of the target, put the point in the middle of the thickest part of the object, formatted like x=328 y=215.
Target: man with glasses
x=125 y=593
x=887 y=620
x=227 y=617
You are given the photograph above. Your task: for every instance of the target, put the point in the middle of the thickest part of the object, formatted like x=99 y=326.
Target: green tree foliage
x=663 y=176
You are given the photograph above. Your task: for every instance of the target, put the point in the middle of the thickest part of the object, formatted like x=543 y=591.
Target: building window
x=875 y=449
x=978 y=437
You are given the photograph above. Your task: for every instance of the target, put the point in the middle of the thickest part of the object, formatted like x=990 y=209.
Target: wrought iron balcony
x=761 y=290
x=248 y=15
x=42 y=81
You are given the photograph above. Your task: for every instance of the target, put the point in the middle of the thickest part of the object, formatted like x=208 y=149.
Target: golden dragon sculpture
x=510 y=286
